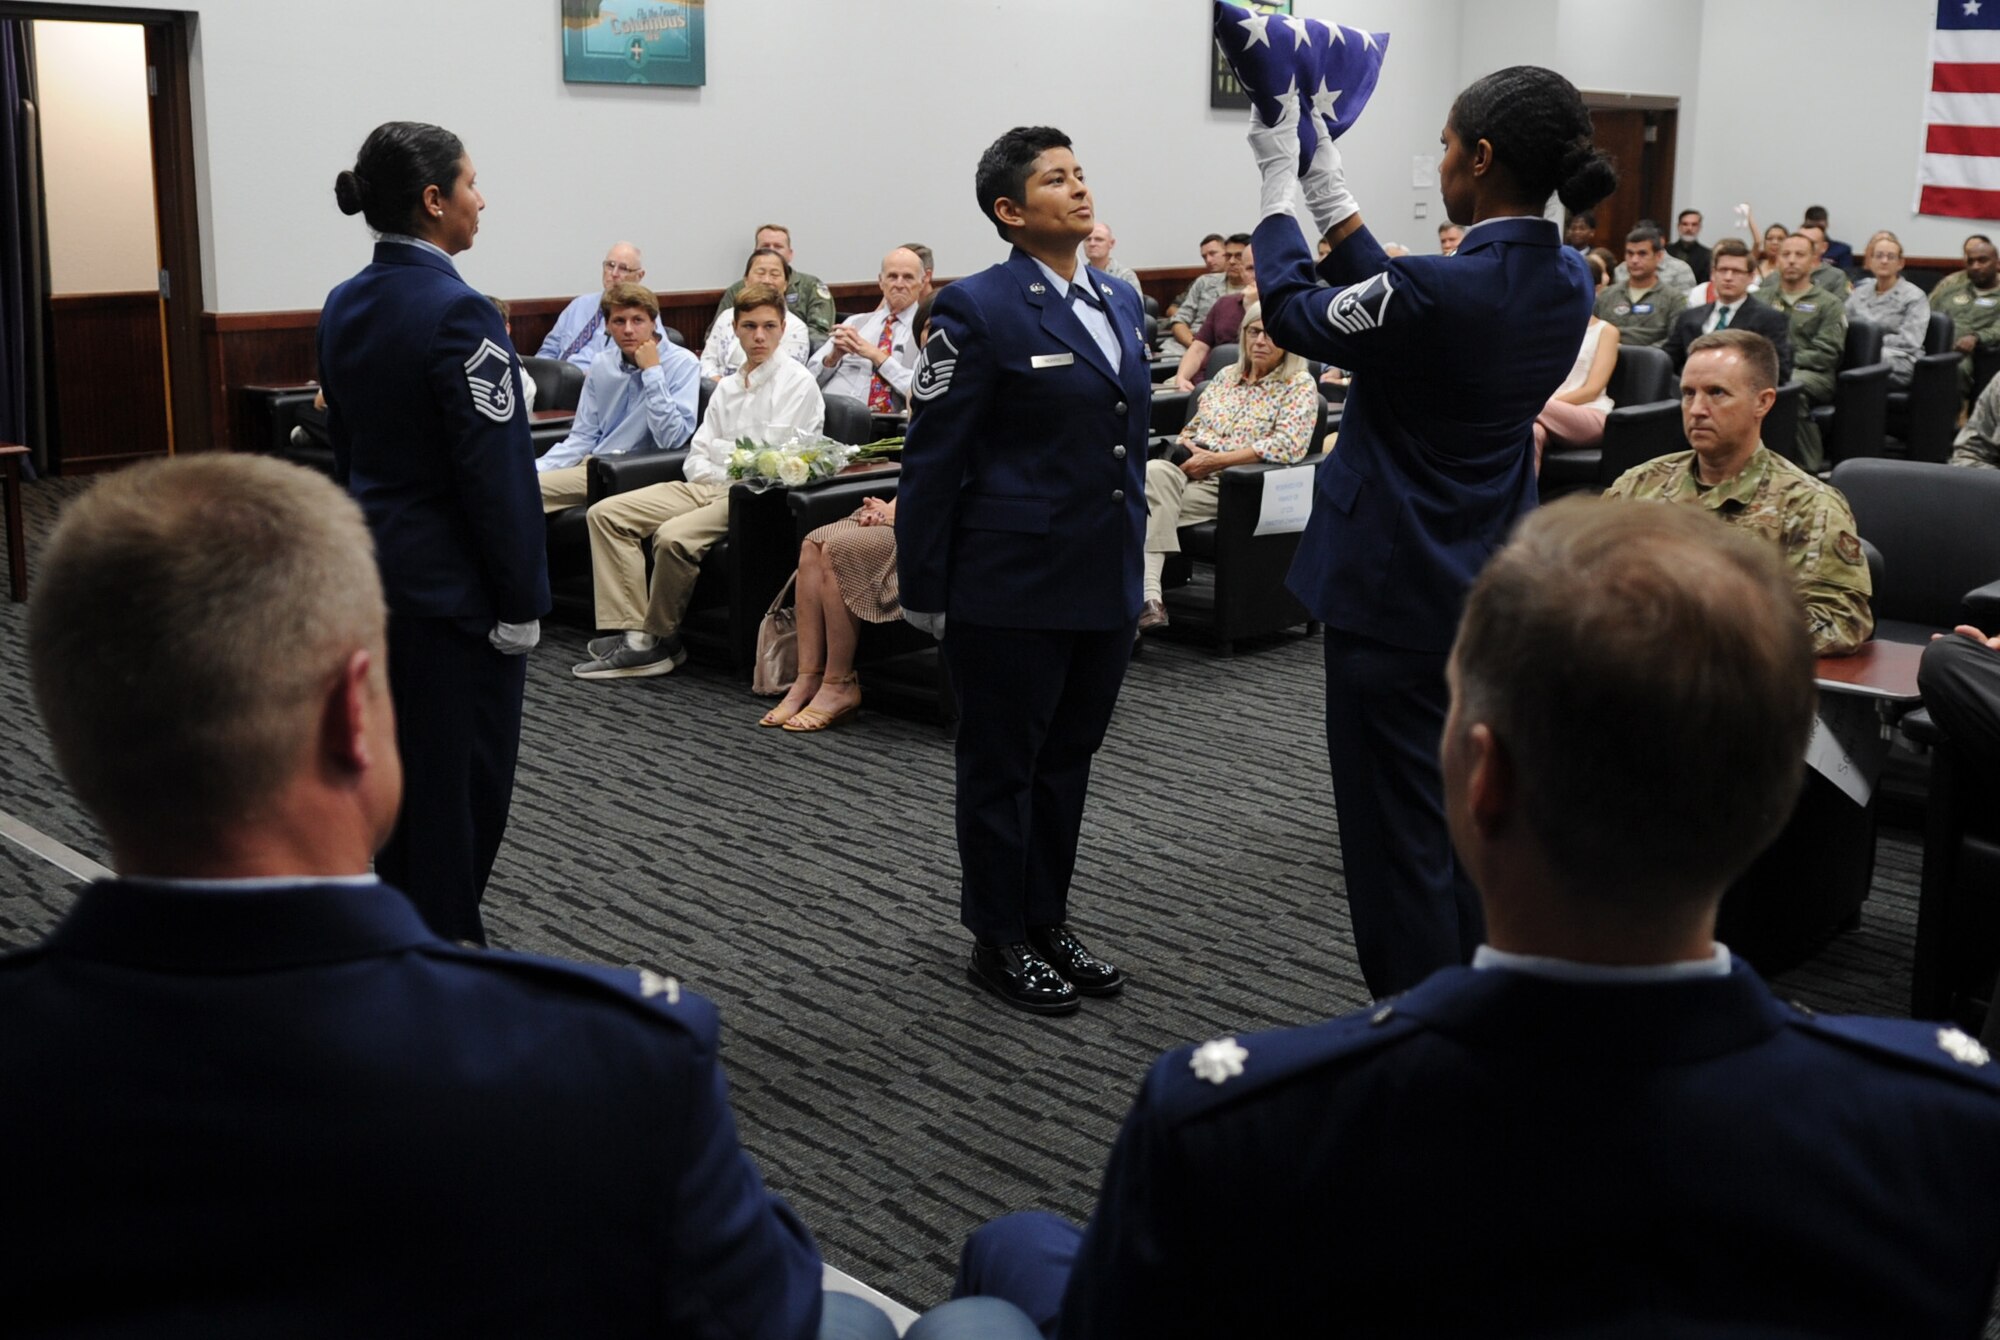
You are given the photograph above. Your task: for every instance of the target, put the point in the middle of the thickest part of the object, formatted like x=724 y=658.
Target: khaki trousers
x=565 y=486
x=1172 y=501
x=683 y=521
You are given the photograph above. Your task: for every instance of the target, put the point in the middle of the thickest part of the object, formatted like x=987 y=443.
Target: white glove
x=925 y=623
x=515 y=639
x=1325 y=186
x=1276 y=149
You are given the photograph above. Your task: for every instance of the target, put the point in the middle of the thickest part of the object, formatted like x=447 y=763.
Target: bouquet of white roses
x=791 y=464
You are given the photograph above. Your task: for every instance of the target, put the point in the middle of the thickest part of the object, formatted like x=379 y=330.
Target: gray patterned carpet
x=808 y=885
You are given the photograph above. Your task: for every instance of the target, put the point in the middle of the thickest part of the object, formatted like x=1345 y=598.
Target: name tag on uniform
x=1982 y=302
x=1642 y=309
x=1051 y=360
x=1805 y=307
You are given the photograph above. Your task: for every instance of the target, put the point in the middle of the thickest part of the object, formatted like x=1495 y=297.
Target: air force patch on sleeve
x=489 y=373
x=1363 y=306
x=934 y=367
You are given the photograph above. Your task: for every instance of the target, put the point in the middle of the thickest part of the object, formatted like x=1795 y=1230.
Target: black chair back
x=1222 y=356
x=1781 y=425
x=1938 y=334
x=702 y=396
x=558 y=382
x=1151 y=304
x=675 y=337
x=1152 y=335
x=1934 y=527
x=1864 y=343
x=1641 y=376
x=848 y=420
x=1170 y=412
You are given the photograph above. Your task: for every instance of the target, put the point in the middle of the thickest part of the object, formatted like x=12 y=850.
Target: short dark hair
x=1759 y=355
x=1236 y=240
x=1540 y=132
x=763 y=228
x=1656 y=756
x=753 y=296
x=1004 y=168
x=1815 y=214
x=1212 y=237
x=625 y=293
x=1599 y=274
x=1587 y=217
x=398 y=160
x=1731 y=246
x=924 y=255
x=1976 y=237
x=500 y=306
x=1684 y=213
x=1647 y=231
x=779 y=256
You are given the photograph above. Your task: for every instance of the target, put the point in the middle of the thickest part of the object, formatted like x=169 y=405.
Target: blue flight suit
x=431 y=438
x=1452 y=359
x=1020 y=516
x=296 y=1111
x=1497 y=1153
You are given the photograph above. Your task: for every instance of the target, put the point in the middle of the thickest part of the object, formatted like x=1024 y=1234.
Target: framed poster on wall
x=1223 y=90
x=661 y=42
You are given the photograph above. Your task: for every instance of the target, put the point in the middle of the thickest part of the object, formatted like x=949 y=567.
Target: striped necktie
x=881 y=396
x=590 y=330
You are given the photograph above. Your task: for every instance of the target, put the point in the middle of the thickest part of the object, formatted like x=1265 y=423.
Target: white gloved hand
x=1276 y=149
x=926 y=623
x=515 y=639
x=1325 y=186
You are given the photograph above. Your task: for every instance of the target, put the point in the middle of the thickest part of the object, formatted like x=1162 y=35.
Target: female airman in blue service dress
x=432 y=440
x=1019 y=525
x=1454 y=356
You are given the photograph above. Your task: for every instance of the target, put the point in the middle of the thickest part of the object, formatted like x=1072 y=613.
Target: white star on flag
x=1368 y=38
x=1972 y=6
x=1298 y=27
x=1323 y=102
x=1217 y=1061
x=1339 y=33
x=1255 y=25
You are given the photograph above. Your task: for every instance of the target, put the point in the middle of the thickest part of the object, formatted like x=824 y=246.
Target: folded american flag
x=1328 y=70
x=1959 y=174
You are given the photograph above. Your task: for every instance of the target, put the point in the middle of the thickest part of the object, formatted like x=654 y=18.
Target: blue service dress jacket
x=294 y=1111
x=1022 y=501
x=1500 y=1154
x=1452 y=358
x=431 y=438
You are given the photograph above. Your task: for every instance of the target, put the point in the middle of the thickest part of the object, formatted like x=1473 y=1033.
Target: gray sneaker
x=624 y=662
x=600 y=647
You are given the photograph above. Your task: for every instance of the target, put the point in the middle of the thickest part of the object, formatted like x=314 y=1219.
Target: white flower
x=769 y=463
x=793 y=471
x=1218 y=1060
x=1962 y=1047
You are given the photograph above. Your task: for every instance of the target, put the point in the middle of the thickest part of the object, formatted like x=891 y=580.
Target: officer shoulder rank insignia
x=1220 y=1060
x=489 y=374
x=934 y=367
x=652 y=984
x=1360 y=307
x=1962 y=1047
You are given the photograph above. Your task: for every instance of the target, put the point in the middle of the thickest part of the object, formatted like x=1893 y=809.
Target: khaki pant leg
x=1165 y=485
x=565 y=486
x=678 y=547
x=1202 y=502
x=619 y=527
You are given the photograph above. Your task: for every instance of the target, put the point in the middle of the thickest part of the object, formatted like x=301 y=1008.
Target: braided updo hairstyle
x=1540 y=130
x=397 y=161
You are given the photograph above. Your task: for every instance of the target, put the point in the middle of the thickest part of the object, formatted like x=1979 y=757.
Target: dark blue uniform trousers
x=1414 y=911
x=1034 y=704
x=458 y=727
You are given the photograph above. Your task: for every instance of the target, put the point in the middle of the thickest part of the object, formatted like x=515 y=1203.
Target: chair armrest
x=1919 y=726
x=1982 y=608
x=818 y=504
x=610 y=475
x=1170 y=411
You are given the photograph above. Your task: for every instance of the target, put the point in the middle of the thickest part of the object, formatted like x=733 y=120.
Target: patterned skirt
x=863 y=559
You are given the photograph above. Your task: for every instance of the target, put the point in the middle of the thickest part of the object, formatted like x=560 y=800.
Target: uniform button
x=1118 y=495
x=1119 y=408
x=1118 y=453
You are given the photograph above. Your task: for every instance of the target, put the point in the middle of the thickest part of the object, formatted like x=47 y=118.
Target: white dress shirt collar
x=1568 y=970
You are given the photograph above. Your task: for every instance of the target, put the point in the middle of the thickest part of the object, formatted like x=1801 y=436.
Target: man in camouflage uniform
x=1978 y=443
x=1642 y=306
x=1728 y=387
x=1819 y=334
x=1971 y=298
x=808 y=299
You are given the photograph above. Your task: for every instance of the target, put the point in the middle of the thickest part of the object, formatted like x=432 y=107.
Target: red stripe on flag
x=1972 y=141
x=1960 y=202
x=1946 y=78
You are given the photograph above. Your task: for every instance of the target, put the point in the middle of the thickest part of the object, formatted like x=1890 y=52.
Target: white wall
x=795 y=124
x=98 y=149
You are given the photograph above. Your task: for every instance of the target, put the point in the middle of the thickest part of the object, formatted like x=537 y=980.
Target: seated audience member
x=1604 y=257
x=1727 y=388
x=1097 y=250
x=1600 y=274
x=1263 y=408
x=1210 y=289
x=1972 y=299
x=929 y=259
x=1211 y=260
x=1448 y=238
x=721 y=354
x=1222 y=325
x=527 y=383
x=1573 y=419
x=1605 y=1087
x=1686 y=246
x=1829 y=277
x=1837 y=254
x=262 y=1097
x=1960 y=681
x=872 y=357
x=1672 y=272
x=578 y=335
x=1580 y=232
x=1733 y=309
x=1767 y=259
x=810 y=300
x=1818 y=324
x=1637 y=302
x=1978 y=443
x=639 y=395
x=771 y=400
x=1893 y=303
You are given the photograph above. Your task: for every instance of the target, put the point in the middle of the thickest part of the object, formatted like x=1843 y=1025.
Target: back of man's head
x=191 y=619
x=1647 y=672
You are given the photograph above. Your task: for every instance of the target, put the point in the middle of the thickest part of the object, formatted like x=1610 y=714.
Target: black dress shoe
x=1022 y=978
x=1089 y=974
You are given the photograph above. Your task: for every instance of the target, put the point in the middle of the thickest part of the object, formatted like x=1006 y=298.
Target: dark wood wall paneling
x=111 y=384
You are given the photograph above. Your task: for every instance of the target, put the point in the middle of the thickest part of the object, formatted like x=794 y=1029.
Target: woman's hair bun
x=1588 y=177
x=350 y=192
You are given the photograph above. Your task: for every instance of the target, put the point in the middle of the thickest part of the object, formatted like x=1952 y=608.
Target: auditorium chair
x=1221 y=356
x=1645 y=422
x=1248 y=597
x=558 y=382
x=1170 y=412
x=848 y=420
x=1924 y=417
x=1935 y=527
x=1151 y=304
x=1781 y=425
x=1856 y=423
x=1152 y=337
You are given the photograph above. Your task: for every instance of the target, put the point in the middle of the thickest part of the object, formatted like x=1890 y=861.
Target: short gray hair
x=1290 y=366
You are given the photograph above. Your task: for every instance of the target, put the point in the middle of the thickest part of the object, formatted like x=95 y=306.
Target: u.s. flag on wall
x=1959 y=174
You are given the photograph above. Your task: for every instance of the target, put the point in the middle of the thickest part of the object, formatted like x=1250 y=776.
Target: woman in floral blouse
x=1263 y=409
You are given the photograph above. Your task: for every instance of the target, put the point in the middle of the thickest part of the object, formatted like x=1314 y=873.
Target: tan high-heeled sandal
x=810 y=718
x=771 y=718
